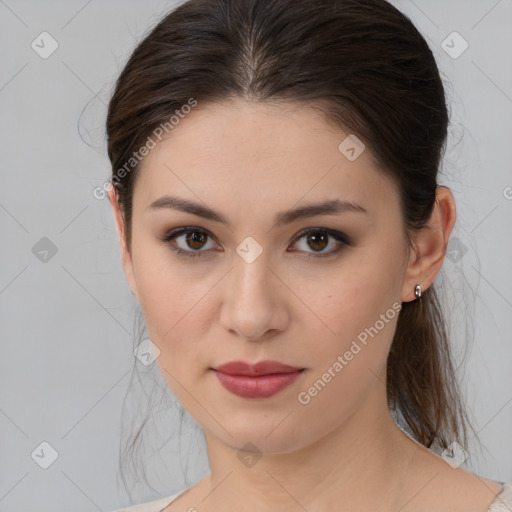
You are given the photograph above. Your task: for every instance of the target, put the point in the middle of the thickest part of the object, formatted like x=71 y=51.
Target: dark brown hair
x=365 y=66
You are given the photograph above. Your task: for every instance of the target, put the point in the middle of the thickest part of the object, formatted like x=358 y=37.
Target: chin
x=267 y=434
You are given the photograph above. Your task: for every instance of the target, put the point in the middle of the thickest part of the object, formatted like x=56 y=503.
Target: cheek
x=173 y=308
x=169 y=296
x=351 y=330
x=348 y=352
x=346 y=300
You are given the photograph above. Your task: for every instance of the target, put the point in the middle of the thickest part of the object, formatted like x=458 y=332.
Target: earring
x=417 y=291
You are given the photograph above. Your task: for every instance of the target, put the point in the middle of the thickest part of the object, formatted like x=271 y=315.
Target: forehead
x=259 y=153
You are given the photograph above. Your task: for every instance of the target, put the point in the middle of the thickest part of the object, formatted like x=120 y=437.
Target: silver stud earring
x=417 y=291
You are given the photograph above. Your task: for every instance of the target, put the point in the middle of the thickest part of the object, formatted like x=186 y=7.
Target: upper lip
x=261 y=368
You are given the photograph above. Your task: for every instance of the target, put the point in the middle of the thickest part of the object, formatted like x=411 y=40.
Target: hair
x=368 y=70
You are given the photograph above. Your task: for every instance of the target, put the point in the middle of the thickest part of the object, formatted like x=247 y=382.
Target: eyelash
x=338 y=236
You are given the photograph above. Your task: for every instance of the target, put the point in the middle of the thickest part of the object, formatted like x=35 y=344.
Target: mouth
x=260 y=380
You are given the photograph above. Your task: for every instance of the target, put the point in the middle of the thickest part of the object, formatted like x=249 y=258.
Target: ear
x=125 y=253
x=429 y=246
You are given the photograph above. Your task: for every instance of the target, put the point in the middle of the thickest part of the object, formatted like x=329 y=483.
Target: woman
x=275 y=193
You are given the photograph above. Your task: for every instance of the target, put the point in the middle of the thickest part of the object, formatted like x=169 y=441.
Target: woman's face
x=253 y=286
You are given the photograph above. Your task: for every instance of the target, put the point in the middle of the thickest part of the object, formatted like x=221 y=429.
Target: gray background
x=67 y=318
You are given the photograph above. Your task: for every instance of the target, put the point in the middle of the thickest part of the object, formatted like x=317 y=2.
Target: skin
x=343 y=447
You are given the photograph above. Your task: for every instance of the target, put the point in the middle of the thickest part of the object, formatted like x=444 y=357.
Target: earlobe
x=430 y=243
x=126 y=257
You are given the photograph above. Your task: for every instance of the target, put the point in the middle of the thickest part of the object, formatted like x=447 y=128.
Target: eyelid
x=332 y=232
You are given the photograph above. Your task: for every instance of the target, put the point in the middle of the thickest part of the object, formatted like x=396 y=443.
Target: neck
x=362 y=464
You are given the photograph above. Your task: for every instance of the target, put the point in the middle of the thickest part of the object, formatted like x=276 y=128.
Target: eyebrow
x=332 y=207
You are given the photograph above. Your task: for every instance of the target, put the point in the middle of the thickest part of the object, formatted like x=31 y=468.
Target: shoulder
x=503 y=500
x=458 y=488
x=152 y=506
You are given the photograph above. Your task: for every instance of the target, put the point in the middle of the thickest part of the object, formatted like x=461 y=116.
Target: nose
x=254 y=306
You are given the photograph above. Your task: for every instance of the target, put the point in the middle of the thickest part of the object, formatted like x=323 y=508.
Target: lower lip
x=262 y=386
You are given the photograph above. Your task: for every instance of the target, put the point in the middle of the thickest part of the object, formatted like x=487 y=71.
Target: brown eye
x=317 y=240
x=192 y=241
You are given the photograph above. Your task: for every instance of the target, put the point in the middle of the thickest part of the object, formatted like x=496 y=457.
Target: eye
x=318 y=239
x=192 y=238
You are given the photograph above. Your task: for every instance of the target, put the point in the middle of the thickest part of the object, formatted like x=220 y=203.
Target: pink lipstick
x=260 y=380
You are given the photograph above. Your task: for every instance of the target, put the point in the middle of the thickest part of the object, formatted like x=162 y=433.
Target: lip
x=266 y=367
x=260 y=380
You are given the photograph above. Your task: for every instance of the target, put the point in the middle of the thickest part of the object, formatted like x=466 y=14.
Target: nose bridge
x=252 y=279
x=250 y=307
x=251 y=265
